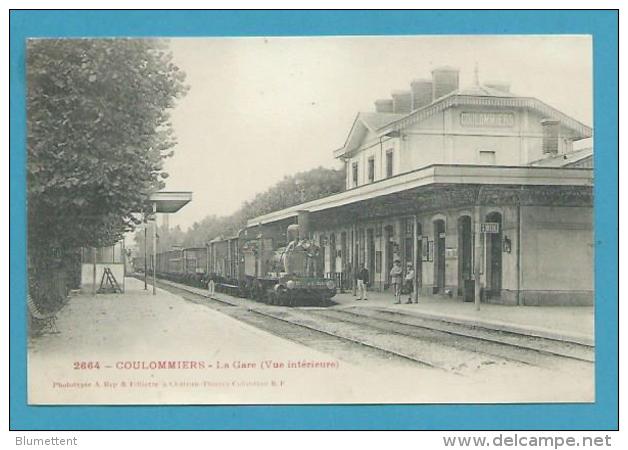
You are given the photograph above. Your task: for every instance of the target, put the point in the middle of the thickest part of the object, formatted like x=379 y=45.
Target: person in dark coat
x=408 y=282
x=363 y=279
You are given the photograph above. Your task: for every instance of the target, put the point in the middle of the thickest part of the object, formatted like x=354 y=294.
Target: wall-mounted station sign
x=487 y=119
x=489 y=227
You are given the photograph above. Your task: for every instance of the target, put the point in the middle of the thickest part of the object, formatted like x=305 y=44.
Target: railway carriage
x=194 y=267
x=223 y=267
x=276 y=267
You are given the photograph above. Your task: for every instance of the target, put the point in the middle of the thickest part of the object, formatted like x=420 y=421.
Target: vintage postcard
x=310 y=220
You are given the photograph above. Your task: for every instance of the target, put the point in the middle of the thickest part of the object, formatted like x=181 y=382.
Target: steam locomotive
x=259 y=264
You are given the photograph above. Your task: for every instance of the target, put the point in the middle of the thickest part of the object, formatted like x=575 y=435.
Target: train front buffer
x=308 y=289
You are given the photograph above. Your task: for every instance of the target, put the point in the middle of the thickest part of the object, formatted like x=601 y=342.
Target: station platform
x=107 y=346
x=568 y=323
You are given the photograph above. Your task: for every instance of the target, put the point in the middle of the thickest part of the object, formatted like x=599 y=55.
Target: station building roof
x=383 y=124
x=439 y=174
x=565 y=159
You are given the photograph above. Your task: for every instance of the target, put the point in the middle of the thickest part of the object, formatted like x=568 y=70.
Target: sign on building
x=487 y=119
x=489 y=227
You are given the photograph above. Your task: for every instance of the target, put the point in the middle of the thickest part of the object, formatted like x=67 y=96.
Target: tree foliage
x=295 y=189
x=98 y=131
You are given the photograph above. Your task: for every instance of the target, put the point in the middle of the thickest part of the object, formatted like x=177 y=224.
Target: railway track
x=525 y=349
x=357 y=334
x=348 y=349
x=564 y=348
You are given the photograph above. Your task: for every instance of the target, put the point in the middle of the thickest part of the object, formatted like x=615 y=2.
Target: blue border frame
x=603 y=25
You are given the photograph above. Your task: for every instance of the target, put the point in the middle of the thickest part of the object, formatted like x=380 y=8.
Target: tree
x=98 y=131
x=292 y=190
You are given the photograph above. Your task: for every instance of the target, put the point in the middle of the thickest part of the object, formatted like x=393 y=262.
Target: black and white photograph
x=310 y=220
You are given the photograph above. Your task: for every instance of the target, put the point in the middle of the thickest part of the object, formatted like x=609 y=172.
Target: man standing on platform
x=409 y=282
x=395 y=280
x=211 y=286
x=363 y=279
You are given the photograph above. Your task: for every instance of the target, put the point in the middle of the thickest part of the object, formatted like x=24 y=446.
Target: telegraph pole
x=415 y=250
x=154 y=248
x=93 y=270
x=477 y=257
x=145 y=255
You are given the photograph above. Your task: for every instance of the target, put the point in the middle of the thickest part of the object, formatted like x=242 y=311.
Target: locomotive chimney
x=292 y=232
x=304 y=224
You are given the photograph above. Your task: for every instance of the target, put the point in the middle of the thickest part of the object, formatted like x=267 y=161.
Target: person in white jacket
x=211 y=286
x=395 y=280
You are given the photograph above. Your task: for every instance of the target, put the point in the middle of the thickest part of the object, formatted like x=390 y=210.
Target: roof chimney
x=421 y=93
x=384 y=105
x=476 y=75
x=402 y=102
x=445 y=80
x=499 y=85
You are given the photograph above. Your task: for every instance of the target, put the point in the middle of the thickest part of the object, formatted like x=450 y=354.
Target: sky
x=259 y=109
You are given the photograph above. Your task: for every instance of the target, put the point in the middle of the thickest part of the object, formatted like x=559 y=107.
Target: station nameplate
x=489 y=120
x=489 y=227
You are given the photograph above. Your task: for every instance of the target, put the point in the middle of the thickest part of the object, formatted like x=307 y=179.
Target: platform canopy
x=437 y=185
x=163 y=202
x=169 y=202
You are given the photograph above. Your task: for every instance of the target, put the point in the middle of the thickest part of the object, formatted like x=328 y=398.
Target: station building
x=472 y=185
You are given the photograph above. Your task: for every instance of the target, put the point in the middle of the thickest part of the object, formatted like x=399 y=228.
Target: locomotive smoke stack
x=292 y=232
x=304 y=224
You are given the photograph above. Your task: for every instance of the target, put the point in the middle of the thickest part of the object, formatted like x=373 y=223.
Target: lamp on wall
x=506 y=245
